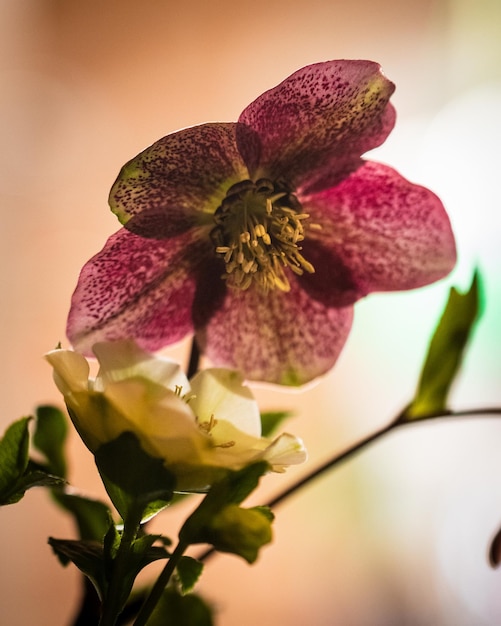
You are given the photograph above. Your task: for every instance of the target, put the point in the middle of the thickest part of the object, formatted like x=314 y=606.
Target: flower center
x=259 y=228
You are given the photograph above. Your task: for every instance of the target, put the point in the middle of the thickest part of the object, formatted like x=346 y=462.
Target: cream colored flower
x=199 y=429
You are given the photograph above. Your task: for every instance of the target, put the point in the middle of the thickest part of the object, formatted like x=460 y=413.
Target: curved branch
x=358 y=447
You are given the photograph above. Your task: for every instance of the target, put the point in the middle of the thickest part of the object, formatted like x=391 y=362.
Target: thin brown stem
x=194 y=361
x=358 y=447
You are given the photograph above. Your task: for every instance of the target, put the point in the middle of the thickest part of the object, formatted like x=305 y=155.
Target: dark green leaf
x=50 y=437
x=189 y=571
x=33 y=479
x=133 y=479
x=145 y=552
x=445 y=353
x=87 y=556
x=111 y=544
x=13 y=455
x=92 y=517
x=141 y=554
x=17 y=472
x=238 y=485
x=181 y=610
x=270 y=420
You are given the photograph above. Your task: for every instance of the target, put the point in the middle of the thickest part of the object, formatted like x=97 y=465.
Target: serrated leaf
x=270 y=420
x=50 y=437
x=37 y=478
x=181 y=610
x=189 y=571
x=87 y=556
x=445 y=353
x=13 y=455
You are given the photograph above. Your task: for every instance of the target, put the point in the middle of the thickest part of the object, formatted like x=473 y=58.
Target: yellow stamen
x=258 y=232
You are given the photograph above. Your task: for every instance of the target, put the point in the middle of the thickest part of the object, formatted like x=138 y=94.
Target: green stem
x=114 y=600
x=159 y=586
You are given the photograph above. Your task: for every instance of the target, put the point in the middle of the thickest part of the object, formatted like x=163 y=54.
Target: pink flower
x=259 y=236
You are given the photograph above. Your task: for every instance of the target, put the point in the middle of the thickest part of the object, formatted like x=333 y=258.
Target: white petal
x=285 y=450
x=220 y=394
x=71 y=371
x=120 y=360
x=162 y=421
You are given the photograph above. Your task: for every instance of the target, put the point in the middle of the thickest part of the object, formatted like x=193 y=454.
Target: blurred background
x=398 y=536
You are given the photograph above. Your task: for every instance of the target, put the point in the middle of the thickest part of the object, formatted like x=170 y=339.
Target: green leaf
x=238 y=485
x=17 y=472
x=141 y=554
x=133 y=479
x=50 y=437
x=220 y=522
x=239 y=531
x=13 y=456
x=266 y=511
x=231 y=489
x=87 y=556
x=189 y=571
x=181 y=610
x=37 y=478
x=144 y=552
x=270 y=420
x=445 y=353
x=92 y=517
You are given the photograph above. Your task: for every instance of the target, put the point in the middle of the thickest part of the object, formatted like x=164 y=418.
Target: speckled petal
x=281 y=337
x=137 y=288
x=315 y=125
x=389 y=233
x=179 y=181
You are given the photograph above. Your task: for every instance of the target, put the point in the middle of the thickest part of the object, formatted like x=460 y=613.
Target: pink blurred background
x=397 y=536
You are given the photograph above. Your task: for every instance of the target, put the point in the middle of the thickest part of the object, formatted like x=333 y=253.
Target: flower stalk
x=115 y=600
x=160 y=584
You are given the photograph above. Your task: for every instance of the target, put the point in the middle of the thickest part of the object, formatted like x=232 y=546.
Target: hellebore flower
x=199 y=429
x=259 y=236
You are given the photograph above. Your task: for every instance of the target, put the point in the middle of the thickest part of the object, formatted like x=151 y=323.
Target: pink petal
x=316 y=124
x=136 y=288
x=280 y=337
x=179 y=180
x=387 y=233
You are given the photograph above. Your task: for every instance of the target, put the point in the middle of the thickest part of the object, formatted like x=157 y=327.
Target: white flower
x=200 y=430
